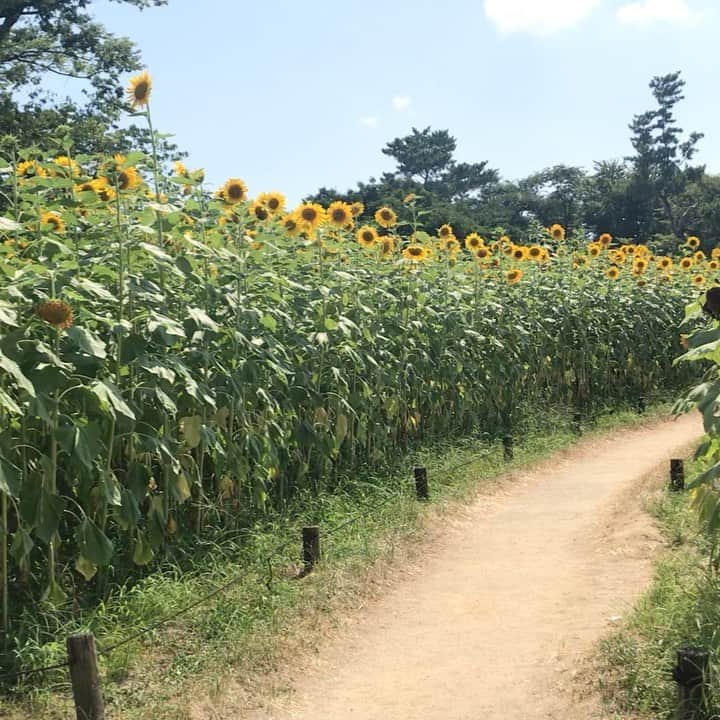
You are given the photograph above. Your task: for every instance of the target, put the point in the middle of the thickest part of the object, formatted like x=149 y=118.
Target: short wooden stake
x=310 y=547
x=85 y=678
x=677 y=475
x=421 y=484
x=689 y=674
x=508 y=451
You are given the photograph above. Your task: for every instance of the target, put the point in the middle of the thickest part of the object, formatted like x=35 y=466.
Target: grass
x=681 y=608
x=267 y=616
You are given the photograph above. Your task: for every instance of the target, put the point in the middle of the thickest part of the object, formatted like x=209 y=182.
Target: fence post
x=85 y=678
x=677 y=475
x=689 y=674
x=421 y=483
x=508 y=452
x=310 y=547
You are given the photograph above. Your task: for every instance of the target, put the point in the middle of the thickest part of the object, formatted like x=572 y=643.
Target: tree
x=557 y=194
x=662 y=158
x=39 y=38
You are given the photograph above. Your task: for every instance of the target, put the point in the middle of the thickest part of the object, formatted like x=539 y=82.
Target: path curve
x=495 y=621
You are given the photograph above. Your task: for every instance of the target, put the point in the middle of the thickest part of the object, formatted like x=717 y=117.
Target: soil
x=506 y=605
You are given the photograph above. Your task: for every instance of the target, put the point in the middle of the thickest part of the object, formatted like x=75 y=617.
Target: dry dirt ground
x=505 y=606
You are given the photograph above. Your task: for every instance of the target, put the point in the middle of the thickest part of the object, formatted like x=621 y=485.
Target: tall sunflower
x=233 y=191
x=473 y=241
x=693 y=242
x=513 y=276
x=357 y=209
x=139 y=89
x=385 y=217
x=273 y=201
x=55 y=312
x=339 y=214
x=557 y=232
x=415 y=252
x=54 y=220
x=445 y=231
x=605 y=239
x=613 y=273
x=367 y=236
x=310 y=216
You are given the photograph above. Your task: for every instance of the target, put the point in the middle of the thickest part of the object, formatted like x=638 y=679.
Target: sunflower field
x=175 y=359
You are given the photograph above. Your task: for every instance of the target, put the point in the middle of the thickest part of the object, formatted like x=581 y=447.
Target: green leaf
x=22 y=545
x=202 y=319
x=54 y=595
x=190 y=428
x=11 y=367
x=129 y=513
x=269 y=322
x=93 y=543
x=9 y=478
x=49 y=513
x=88 y=341
x=95 y=289
x=111 y=399
x=142 y=552
x=8 y=404
x=86 y=568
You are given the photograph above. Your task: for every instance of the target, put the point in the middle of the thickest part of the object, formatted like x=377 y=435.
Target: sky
x=292 y=96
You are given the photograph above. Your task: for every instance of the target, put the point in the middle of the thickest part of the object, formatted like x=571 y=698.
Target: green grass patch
x=244 y=631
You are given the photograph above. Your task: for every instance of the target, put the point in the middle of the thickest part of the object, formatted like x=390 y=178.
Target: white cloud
x=401 y=102
x=648 y=11
x=537 y=17
x=369 y=121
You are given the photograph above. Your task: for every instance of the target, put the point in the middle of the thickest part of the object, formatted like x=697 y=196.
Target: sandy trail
x=497 y=618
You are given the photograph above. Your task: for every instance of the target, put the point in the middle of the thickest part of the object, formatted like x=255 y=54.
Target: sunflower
x=139 y=89
x=612 y=273
x=357 y=209
x=505 y=240
x=715 y=254
x=367 y=236
x=483 y=253
x=663 y=263
x=68 y=165
x=519 y=252
x=416 y=253
x=666 y=277
x=698 y=280
x=629 y=249
x=273 y=201
x=103 y=189
x=291 y=225
x=473 y=241
x=51 y=218
x=617 y=256
x=513 y=276
x=128 y=178
x=310 y=216
x=450 y=245
x=535 y=252
x=594 y=249
x=180 y=169
x=233 y=191
x=30 y=168
x=387 y=246
x=686 y=263
x=605 y=239
x=714 y=264
x=445 y=231
x=580 y=261
x=259 y=211
x=693 y=242
x=385 y=217
x=410 y=197
x=557 y=232
x=56 y=312
x=339 y=214
x=699 y=255
x=508 y=249
x=639 y=266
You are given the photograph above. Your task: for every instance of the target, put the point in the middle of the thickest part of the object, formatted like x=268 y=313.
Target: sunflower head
x=290 y=225
x=128 y=178
x=483 y=253
x=357 y=209
x=557 y=232
x=698 y=280
x=367 y=236
x=663 y=263
x=519 y=253
x=339 y=214
x=445 y=231
x=180 y=169
x=535 y=252
x=409 y=198
x=30 y=169
x=273 y=201
x=513 y=276
x=699 y=255
x=594 y=249
x=639 y=266
x=715 y=254
x=580 y=261
x=139 y=89
x=68 y=165
x=415 y=252
x=714 y=264
x=686 y=263
x=613 y=273
x=385 y=217
x=450 y=245
x=258 y=211
x=103 y=189
x=473 y=241
x=55 y=312
x=605 y=239
x=233 y=191
x=54 y=221
x=387 y=246
x=693 y=242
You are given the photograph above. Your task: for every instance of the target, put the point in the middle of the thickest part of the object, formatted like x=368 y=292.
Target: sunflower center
x=141 y=90
x=235 y=192
x=273 y=203
x=339 y=216
x=308 y=214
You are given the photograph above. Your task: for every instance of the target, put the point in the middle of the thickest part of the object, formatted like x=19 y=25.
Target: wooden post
x=85 y=678
x=310 y=547
x=508 y=448
x=421 y=483
x=677 y=475
x=641 y=405
x=689 y=674
x=577 y=422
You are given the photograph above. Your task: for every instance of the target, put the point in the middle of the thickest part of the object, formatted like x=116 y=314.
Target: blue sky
x=291 y=96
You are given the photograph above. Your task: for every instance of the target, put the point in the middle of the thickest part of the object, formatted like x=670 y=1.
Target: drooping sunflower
x=513 y=276
x=613 y=273
x=30 y=168
x=339 y=214
x=483 y=253
x=557 y=232
x=605 y=239
x=128 y=178
x=698 y=280
x=357 y=209
x=139 y=89
x=594 y=249
x=273 y=201
x=55 y=312
x=415 y=252
x=233 y=191
x=693 y=242
x=385 y=217
x=686 y=263
x=387 y=246
x=68 y=165
x=445 y=231
x=473 y=241
x=367 y=236
x=54 y=220
x=103 y=189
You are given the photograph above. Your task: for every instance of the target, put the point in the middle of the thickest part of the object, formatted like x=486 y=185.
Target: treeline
x=656 y=195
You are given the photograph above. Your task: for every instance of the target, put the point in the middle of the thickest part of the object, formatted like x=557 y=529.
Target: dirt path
x=496 y=619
